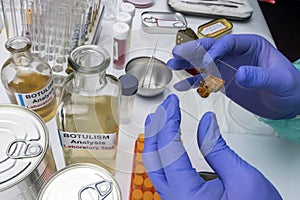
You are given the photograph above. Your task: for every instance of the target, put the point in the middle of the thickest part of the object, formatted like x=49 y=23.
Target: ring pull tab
x=21 y=148
x=102 y=188
x=179 y=24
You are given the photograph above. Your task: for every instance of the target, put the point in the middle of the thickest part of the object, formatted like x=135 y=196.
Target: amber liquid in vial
x=92 y=115
x=28 y=83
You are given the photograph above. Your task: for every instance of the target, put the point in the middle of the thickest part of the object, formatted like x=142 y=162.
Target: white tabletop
x=277 y=158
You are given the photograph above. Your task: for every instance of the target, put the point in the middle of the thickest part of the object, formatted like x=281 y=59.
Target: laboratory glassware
x=88 y=113
x=27 y=79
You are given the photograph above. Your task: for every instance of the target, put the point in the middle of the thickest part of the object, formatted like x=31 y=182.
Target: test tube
x=129 y=89
x=120 y=36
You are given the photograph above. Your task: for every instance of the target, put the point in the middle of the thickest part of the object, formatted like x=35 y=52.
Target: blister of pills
x=141 y=187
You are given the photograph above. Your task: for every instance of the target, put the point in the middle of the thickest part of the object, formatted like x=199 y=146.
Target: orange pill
x=137 y=194
x=156 y=196
x=140 y=147
x=138 y=182
x=141 y=137
x=148 y=195
x=148 y=186
x=139 y=158
x=140 y=170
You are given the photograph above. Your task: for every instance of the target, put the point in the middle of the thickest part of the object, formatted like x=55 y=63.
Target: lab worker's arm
x=170 y=170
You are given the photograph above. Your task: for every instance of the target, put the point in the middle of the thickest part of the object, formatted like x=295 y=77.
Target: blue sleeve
x=289 y=128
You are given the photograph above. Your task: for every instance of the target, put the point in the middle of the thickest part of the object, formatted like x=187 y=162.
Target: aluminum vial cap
x=129 y=84
x=81 y=181
x=24 y=142
x=124 y=17
x=121 y=30
x=128 y=7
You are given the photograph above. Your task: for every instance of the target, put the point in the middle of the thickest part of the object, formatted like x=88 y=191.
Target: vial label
x=115 y=50
x=38 y=99
x=213 y=28
x=91 y=141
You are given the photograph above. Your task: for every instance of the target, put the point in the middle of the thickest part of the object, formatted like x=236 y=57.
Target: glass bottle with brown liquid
x=88 y=113
x=27 y=79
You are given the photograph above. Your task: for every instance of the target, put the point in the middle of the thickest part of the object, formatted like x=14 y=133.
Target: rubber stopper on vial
x=128 y=7
x=121 y=30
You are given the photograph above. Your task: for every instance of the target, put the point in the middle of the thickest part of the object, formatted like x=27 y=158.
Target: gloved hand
x=172 y=174
x=266 y=82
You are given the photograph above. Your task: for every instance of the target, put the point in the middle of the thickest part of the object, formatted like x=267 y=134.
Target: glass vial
x=28 y=80
x=129 y=89
x=120 y=36
x=88 y=113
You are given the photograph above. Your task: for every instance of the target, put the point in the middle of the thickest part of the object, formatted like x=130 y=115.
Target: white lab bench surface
x=277 y=158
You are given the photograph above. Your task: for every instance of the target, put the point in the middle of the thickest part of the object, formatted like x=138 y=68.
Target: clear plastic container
x=88 y=113
x=129 y=89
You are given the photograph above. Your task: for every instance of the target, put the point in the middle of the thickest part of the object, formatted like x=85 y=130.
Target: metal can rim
x=41 y=157
x=77 y=165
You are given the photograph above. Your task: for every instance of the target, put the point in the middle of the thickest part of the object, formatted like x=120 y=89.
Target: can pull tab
x=21 y=148
x=102 y=188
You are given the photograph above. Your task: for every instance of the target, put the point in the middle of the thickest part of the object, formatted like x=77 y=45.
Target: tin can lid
x=24 y=141
x=81 y=181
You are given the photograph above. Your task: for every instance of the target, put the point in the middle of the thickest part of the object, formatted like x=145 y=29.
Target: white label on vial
x=213 y=28
x=115 y=50
x=38 y=99
x=88 y=141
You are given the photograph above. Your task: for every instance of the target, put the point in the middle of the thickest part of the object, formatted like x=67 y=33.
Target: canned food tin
x=26 y=161
x=82 y=181
x=163 y=22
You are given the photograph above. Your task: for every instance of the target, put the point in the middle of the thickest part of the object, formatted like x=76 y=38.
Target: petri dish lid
x=24 y=141
x=81 y=181
x=129 y=84
x=141 y=3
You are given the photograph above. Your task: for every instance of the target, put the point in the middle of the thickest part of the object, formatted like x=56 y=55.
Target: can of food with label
x=81 y=181
x=26 y=161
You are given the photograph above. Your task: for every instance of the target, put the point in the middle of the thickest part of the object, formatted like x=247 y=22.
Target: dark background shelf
x=283 y=19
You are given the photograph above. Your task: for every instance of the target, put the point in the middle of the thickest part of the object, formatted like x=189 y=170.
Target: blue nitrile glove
x=171 y=171
x=266 y=82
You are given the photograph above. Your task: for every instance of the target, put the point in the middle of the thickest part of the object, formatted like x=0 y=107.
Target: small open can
x=215 y=28
x=26 y=161
x=81 y=181
x=163 y=22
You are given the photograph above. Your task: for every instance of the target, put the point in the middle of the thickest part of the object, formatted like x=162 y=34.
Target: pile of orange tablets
x=141 y=187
